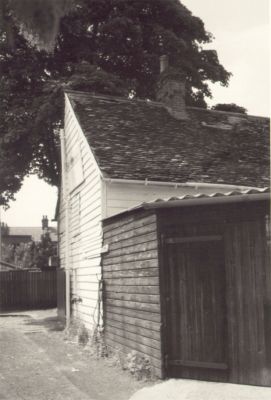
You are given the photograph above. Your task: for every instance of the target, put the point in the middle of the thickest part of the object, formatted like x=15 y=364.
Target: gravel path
x=37 y=364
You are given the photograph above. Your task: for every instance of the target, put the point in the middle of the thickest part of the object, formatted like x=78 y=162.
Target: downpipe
x=66 y=199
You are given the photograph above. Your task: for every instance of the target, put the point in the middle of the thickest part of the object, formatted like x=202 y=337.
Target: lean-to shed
x=187 y=283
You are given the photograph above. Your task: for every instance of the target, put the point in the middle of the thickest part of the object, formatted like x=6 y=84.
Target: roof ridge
x=118 y=98
x=160 y=104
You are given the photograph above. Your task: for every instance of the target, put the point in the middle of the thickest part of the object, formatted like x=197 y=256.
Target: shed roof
x=199 y=199
x=138 y=140
x=235 y=196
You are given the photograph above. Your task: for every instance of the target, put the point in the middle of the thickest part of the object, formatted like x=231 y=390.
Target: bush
x=231 y=107
x=83 y=335
x=138 y=365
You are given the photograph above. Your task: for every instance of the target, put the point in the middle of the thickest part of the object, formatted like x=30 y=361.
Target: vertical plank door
x=196 y=308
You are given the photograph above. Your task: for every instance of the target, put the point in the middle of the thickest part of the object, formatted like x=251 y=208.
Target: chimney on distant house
x=171 y=90
x=44 y=222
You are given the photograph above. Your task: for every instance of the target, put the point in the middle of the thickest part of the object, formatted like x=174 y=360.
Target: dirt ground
x=37 y=363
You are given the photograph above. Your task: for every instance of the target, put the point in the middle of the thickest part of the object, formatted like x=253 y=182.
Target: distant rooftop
x=34 y=232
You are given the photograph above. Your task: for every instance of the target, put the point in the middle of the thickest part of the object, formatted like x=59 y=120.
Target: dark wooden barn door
x=196 y=308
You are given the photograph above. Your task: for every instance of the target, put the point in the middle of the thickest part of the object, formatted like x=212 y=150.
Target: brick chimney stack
x=44 y=222
x=171 y=90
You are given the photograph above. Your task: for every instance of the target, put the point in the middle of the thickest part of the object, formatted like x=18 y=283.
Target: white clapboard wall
x=84 y=220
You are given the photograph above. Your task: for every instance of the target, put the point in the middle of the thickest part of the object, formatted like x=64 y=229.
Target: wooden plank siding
x=195 y=313
x=130 y=273
x=247 y=298
x=85 y=231
x=248 y=285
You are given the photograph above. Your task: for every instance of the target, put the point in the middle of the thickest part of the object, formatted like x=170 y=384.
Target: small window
x=75 y=167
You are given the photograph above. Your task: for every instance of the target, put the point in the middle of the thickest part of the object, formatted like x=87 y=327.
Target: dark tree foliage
x=231 y=107
x=107 y=46
x=38 y=20
x=43 y=251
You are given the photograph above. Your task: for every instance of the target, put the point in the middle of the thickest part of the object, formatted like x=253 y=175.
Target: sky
x=242 y=40
x=35 y=199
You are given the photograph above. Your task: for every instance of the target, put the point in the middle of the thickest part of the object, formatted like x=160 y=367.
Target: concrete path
x=37 y=364
x=182 y=389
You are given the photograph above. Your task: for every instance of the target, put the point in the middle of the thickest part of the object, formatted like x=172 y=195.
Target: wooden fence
x=21 y=290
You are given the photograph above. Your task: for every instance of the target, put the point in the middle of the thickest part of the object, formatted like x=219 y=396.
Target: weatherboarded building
x=118 y=153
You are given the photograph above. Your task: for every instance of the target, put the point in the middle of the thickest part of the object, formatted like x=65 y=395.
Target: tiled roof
x=138 y=140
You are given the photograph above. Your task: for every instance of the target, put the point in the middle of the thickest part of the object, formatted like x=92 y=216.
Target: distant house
x=27 y=234
x=117 y=153
x=16 y=242
x=14 y=239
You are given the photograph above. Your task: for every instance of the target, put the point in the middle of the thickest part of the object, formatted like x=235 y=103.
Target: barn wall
x=131 y=287
x=85 y=211
x=243 y=228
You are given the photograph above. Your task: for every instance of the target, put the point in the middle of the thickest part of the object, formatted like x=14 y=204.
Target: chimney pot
x=44 y=221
